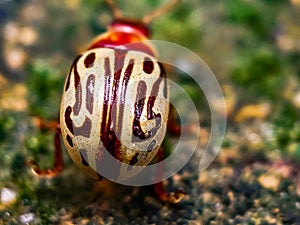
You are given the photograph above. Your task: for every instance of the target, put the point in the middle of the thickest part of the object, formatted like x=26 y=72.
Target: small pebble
x=295 y=2
x=296 y=99
x=27 y=218
x=219 y=206
x=15 y=58
x=269 y=181
x=8 y=196
x=194 y=222
x=154 y=218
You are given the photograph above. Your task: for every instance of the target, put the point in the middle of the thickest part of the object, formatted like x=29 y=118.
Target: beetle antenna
x=159 y=11
x=117 y=13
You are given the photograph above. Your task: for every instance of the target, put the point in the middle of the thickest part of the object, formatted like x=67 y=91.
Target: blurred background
x=253 y=48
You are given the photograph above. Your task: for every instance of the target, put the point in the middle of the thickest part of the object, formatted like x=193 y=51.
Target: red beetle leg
x=58 y=160
x=169 y=197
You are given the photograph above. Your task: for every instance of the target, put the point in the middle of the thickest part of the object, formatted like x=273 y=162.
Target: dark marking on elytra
x=68 y=120
x=76 y=76
x=84 y=157
x=127 y=74
x=163 y=75
x=134 y=159
x=78 y=91
x=120 y=55
x=68 y=79
x=89 y=60
x=150 y=104
x=78 y=100
x=69 y=75
x=151 y=146
x=138 y=134
x=108 y=136
x=151 y=100
x=90 y=87
x=70 y=141
x=148 y=65
x=104 y=125
x=140 y=99
x=109 y=114
x=84 y=130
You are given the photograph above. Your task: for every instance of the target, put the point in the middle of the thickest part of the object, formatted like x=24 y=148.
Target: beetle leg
x=115 y=9
x=58 y=160
x=159 y=11
x=44 y=124
x=170 y=197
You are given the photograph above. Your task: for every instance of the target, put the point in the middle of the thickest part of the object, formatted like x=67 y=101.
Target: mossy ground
x=253 y=49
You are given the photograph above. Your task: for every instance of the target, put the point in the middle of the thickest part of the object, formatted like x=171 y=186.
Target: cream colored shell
x=93 y=79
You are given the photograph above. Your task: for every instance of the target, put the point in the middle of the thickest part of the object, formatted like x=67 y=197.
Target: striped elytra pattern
x=115 y=100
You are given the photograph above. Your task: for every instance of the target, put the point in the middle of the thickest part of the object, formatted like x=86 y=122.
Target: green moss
x=294 y=60
x=18 y=166
x=46 y=210
x=27 y=195
x=7 y=123
x=253 y=15
x=173 y=27
x=226 y=143
x=45 y=87
x=259 y=71
x=41 y=147
x=287 y=130
x=286 y=116
x=294 y=150
x=274 y=1
x=96 y=27
x=282 y=137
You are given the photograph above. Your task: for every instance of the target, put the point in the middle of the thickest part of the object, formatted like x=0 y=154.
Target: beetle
x=115 y=102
